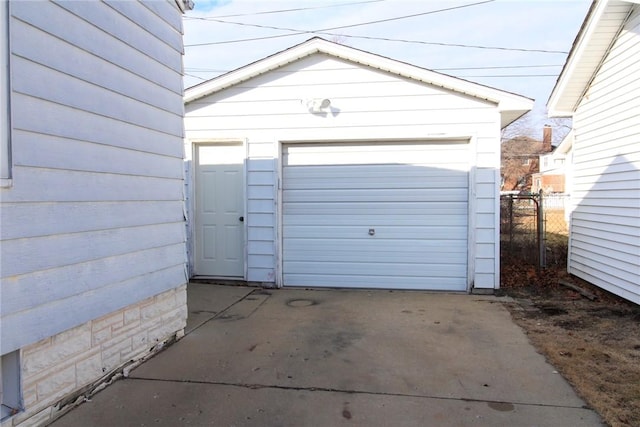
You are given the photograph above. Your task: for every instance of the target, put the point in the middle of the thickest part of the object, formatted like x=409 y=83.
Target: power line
x=207 y=18
x=245 y=40
x=504 y=67
x=324 y=31
x=359 y=24
x=496 y=67
x=195 y=77
x=382 y=39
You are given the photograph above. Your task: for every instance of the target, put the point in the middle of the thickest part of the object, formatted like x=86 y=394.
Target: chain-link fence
x=533 y=229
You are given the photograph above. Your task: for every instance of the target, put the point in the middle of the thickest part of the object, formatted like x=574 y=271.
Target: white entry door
x=219 y=207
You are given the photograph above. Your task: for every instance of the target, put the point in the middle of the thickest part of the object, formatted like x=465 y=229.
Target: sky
x=515 y=45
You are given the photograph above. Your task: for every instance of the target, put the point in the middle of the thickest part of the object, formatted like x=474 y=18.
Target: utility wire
x=359 y=24
x=324 y=30
x=207 y=18
x=383 y=39
x=496 y=67
x=195 y=77
x=505 y=67
x=246 y=40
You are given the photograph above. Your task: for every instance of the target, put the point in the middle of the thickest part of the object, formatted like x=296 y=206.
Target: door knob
x=241 y=219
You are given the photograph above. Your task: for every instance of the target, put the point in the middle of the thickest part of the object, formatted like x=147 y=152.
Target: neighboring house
x=519 y=160
x=324 y=165
x=555 y=169
x=599 y=87
x=93 y=260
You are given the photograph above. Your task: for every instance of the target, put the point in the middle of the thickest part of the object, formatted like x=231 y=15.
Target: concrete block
x=100 y=336
x=57 y=384
x=132 y=315
x=162 y=306
x=174 y=315
x=139 y=340
x=162 y=332
x=64 y=346
x=110 y=320
x=29 y=396
x=181 y=295
x=134 y=354
x=87 y=370
x=36 y=347
x=115 y=347
x=127 y=329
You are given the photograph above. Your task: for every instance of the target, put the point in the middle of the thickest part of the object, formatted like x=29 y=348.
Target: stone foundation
x=58 y=371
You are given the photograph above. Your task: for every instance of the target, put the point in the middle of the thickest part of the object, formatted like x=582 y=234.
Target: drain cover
x=301 y=302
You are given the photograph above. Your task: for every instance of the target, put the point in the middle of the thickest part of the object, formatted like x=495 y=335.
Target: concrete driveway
x=256 y=357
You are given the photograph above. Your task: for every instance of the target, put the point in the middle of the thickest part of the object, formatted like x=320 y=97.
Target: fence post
x=510 y=221
x=542 y=251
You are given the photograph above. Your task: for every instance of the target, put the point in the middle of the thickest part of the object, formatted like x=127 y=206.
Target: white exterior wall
x=93 y=221
x=366 y=105
x=605 y=226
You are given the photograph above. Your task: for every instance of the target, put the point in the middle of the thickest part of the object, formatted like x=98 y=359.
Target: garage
x=353 y=171
x=376 y=215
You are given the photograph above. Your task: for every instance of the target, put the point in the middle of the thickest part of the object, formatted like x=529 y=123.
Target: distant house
x=93 y=262
x=599 y=88
x=554 y=174
x=520 y=161
x=336 y=167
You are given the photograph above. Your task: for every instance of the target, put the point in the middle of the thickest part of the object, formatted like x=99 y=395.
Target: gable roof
x=510 y=105
x=596 y=37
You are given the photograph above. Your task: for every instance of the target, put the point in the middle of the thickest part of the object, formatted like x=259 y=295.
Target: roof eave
x=504 y=100
x=247 y=72
x=563 y=101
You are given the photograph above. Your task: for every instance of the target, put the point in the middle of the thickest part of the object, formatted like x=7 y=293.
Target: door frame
x=192 y=207
x=471 y=140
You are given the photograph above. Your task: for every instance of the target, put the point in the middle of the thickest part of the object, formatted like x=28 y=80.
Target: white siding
x=605 y=227
x=94 y=220
x=365 y=105
x=5 y=158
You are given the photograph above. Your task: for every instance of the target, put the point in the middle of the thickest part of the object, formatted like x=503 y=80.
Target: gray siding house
x=93 y=262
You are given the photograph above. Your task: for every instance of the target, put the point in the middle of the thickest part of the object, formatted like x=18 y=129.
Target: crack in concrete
x=364 y=392
x=223 y=311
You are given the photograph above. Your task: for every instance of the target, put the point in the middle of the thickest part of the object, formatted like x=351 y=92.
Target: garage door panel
x=377 y=282
x=377 y=208
x=351 y=233
x=373 y=221
x=411 y=257
x=303 y=247
x=375 y=269
x=362 y=177
x=380 y=195
x=450 y=153
x=387 y=171
x=377 y=183
x=377 y=158
x=379 y=251
x=414 y=196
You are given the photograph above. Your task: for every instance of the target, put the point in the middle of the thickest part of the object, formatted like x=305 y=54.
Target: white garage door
x=376 y=215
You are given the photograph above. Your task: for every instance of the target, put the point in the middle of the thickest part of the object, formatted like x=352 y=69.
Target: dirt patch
x=595 y=344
